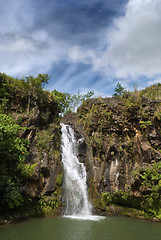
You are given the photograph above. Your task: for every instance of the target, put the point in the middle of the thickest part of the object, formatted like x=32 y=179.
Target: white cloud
x=24 y=48
x=134 y=46
x=22 y=55
x=83 y=55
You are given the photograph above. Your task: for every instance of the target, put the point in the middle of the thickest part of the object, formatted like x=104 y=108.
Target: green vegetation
x=13 y=151
x=150 y=187
x=157 y=114
x=145 y=124
x=69 y=102
x=24 y=93
x=30 y=144
x=59 y=179
x=51 y=204
x=127 y=128
x=27 y=113
x=152 y=92
x=47 y=136
x=121 y=198
x=119 y=90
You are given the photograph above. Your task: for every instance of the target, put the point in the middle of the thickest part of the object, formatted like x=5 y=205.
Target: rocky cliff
x=122 y=152
x=32 y=173
x=119 y=143
x=43 y=135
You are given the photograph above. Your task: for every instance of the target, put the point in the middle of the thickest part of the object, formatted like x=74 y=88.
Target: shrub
x=157 y=115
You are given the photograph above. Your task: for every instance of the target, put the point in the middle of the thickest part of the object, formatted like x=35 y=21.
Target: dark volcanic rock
x=120 y=136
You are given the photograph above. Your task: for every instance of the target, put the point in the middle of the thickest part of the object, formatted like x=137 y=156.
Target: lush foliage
x=122 y=198
x=23 y=94
x=28 y=102
x=30 y=105
x=50 y=204
x=150 y=187
x=13 y=151
x=12 y=148
x=11 y=196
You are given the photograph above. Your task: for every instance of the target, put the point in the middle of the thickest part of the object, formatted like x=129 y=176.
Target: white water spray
x=77 y=203
x=76 y=195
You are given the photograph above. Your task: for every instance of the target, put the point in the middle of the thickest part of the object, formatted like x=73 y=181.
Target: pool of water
x=109 y=228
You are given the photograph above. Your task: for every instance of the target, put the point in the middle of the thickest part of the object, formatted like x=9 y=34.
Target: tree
x=75 y=100
x=35 y=87
x=27 y=90
x=119 y=90
x=69 y=102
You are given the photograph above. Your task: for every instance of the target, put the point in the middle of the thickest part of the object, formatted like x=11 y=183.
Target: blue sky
x=84 y=45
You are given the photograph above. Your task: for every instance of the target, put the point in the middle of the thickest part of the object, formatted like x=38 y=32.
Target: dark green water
x=110 y=228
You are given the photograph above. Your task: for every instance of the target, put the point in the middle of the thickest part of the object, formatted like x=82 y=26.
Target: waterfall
x=76 y=195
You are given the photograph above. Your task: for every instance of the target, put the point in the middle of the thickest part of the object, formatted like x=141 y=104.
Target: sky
x=84 y=45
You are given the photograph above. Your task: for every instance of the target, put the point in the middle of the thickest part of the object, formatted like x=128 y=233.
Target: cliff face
x=120 y=146
x=44 y=145
x=121 y=150
x=42 y=130
x=37 y=180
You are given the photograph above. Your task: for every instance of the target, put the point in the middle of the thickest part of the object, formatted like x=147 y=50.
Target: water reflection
x=77 y=230
x=110 y=228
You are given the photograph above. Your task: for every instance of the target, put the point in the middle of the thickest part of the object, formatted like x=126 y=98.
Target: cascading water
x=76 y=196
